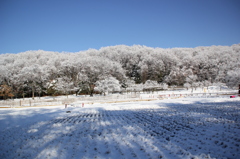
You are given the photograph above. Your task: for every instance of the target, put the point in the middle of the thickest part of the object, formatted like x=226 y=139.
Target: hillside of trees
x=117 y=68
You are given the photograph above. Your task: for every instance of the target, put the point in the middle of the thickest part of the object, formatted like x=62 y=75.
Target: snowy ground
x=169 y=128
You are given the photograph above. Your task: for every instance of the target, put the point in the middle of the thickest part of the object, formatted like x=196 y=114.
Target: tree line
x=117 y=68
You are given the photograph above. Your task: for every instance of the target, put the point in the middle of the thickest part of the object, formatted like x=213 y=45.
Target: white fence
x=52 y=101
x=197 y=94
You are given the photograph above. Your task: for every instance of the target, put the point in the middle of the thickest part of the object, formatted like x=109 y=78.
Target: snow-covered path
x=179 y=128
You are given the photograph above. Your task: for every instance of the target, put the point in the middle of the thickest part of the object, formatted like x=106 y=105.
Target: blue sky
x=75 y=25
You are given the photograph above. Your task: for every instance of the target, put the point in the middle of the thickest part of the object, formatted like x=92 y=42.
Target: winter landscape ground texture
x=169 y=128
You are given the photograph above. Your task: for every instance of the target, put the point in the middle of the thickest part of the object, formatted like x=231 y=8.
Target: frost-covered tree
x=233 y=78
x=178 y=76
x=196 y=85
x=164 y=86
x=95 y=69
x=32 y=77
x=64 y=85
x=70 y=68
x=151 y=68
x=128 y=85
x=109 y=84
x=151 y=85
x=187 y=85
x=192 y=81
x=206 y=83
x=31 y=70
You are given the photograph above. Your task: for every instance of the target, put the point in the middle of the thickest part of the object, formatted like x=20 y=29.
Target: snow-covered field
x=169 y=128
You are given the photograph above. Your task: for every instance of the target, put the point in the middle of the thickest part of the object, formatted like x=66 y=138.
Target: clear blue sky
x=75 y=25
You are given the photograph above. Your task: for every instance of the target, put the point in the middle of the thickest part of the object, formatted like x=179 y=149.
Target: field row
x=209 y=130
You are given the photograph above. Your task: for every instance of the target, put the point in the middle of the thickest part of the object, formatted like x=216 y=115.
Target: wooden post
x=20 y=103
x=239 y=90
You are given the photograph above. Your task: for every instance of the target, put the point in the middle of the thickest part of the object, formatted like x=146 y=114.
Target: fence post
x=239 y=90
x=20 y=103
